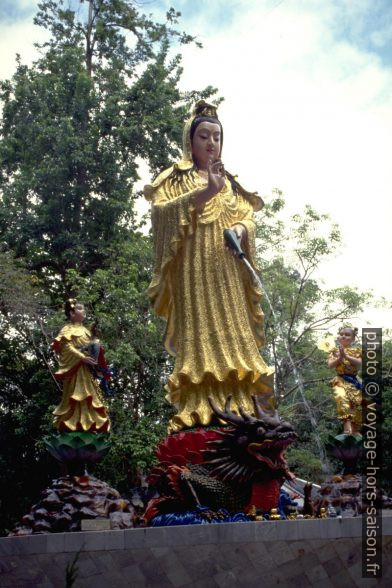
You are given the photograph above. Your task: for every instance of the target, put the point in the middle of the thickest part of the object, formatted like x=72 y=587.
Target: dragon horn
x=227 y=415
x=258 y=410
x=247 y=417
x=263 y=414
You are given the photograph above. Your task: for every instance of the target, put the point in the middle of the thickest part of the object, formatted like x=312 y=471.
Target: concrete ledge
x=188 y=535
x=303 y=553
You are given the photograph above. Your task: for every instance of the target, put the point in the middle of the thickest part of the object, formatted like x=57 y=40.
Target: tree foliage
x=102 y=97
x=75 y=124
x=299 y=311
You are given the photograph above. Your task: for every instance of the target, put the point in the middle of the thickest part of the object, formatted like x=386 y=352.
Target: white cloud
x=18 y=37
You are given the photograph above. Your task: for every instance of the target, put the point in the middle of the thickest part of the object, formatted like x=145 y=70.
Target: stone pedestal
x=299 y=553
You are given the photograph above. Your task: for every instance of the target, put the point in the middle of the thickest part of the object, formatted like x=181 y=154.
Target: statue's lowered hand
x=233 y=242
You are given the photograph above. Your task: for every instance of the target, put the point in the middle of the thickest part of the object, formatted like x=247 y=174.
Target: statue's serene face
x=78 y=314
x=206 y=144
x=346 y=337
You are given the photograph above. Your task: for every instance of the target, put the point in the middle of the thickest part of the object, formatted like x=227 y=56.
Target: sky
x=308 y=89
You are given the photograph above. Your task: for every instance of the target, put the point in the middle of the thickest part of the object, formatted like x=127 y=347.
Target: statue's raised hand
x=216 y=177
x=216 y=181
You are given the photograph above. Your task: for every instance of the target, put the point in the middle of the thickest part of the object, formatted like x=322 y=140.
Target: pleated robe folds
x=214 y=320
x=347 y=396
x=82 y=407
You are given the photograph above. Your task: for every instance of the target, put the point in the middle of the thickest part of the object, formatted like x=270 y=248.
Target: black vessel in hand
x=233 y=242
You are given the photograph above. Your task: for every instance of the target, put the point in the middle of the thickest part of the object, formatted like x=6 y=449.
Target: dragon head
x=251 y=447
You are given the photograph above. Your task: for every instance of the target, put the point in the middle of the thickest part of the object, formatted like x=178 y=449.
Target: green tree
x=103 y=96
x=299 y=310
x=27 y=388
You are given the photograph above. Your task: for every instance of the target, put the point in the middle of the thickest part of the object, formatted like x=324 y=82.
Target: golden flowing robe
x=348 y=398
x=214 y=323
x=81 y=407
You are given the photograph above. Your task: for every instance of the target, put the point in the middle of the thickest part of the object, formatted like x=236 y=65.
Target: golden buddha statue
x=347 y=389
x=214 y=323
x=82 y=407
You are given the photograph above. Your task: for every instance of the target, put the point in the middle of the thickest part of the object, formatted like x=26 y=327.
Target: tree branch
x=304 y=384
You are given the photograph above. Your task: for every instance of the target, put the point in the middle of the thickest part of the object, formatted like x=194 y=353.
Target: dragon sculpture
x=236 y=467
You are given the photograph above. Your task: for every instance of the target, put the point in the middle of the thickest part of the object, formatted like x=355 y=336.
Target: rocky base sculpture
x=341 y=495
x=348 y=450
x=76 y=496
x=71 y=499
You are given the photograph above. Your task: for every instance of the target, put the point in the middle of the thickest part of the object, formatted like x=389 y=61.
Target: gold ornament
x=327 y=344
x=203 y=108
x=72 y=303
x=252 y=511
x=323 y=513
x=274 y=515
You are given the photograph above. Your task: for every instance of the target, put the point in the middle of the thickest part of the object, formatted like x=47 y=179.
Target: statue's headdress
x=69 y=305
x=201 y=108
x=354 y=330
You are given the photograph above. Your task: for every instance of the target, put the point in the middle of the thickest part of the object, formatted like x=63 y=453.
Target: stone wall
x=324 y=553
